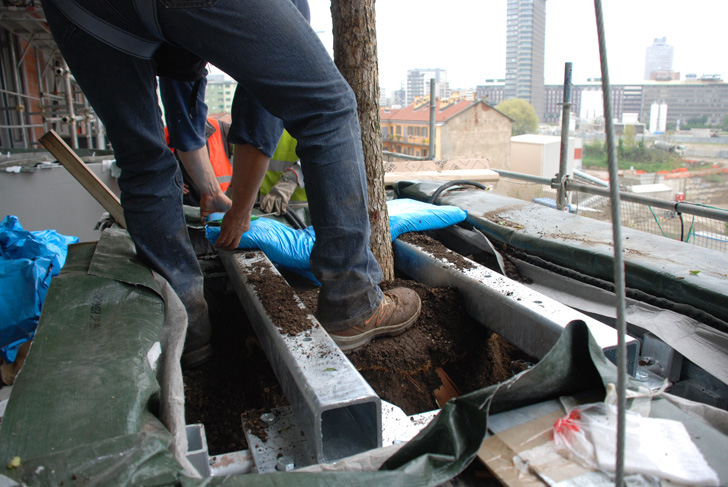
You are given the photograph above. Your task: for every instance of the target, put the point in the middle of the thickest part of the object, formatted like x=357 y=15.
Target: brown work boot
x=398 y=310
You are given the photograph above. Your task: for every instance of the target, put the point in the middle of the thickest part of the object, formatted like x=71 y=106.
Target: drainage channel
x=528 y=319
x=334 y=413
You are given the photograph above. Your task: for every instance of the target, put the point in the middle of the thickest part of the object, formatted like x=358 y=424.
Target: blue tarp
x=290 y=248
x=28 y=261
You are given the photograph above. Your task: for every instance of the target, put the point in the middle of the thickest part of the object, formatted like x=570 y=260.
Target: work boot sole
x=349 y=344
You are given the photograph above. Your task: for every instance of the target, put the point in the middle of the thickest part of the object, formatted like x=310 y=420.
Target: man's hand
x=277 y=199
x=217 y=202
x=234 y=224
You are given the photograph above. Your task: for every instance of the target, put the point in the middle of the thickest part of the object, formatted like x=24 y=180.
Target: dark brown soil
x=445 y=353
x=237 y=379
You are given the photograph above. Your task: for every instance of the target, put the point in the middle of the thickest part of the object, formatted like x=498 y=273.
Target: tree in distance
x=525 y=120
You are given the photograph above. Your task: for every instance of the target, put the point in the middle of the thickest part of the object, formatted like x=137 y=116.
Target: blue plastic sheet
x=291 y=249
x=28 y=261
x=284 y=246
x=407 y=215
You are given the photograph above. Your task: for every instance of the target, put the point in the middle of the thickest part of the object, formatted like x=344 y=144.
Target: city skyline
x=419 y=34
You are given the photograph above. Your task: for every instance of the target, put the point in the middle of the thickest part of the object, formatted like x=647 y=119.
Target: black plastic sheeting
x=655 y=265
x=84 y=408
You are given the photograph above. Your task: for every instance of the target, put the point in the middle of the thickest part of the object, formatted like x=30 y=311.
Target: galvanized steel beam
x=528 y=319
x=339 y=413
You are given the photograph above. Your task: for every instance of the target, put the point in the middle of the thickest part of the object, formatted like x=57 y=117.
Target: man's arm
x=249 y=167
x=197 y=164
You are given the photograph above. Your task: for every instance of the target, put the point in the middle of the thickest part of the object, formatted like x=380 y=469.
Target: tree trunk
x=355 y=54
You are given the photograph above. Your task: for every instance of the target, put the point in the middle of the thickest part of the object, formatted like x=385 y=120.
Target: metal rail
x=571 y=185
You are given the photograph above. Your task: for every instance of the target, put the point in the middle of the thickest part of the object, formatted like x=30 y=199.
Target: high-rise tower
x=658 y=57
x=418 y=83
x=525 y=46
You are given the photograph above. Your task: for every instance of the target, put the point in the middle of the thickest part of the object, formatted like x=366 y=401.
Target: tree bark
x=355 y=54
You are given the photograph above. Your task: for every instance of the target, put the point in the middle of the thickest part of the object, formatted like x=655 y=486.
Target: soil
x=444 y=354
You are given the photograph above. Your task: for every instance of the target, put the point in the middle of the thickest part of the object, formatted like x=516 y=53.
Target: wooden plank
x=78 y=169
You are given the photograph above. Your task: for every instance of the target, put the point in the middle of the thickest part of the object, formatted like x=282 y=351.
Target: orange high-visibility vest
x=218 y=156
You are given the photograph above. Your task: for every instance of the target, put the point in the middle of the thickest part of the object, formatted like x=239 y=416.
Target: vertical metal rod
x=565 y=122
x=433 y=106
x=6 y=102
x=69 y=104
x=87 y=125
x=100 y=140
x=619 y=284
x=16 y=79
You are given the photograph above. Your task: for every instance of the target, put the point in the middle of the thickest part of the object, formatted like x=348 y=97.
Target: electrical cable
x=682 y=227
x=459 y=182
x=294 y=220
x=657 y=221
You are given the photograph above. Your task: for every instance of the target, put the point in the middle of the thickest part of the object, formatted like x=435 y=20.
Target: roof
x=536 y=139
x=422 y=113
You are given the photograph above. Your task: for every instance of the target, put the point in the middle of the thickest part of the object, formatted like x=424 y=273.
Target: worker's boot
x=398 y=310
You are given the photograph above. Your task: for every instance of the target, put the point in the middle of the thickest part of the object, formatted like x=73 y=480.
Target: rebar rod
x=619 y=280
x=564 y=155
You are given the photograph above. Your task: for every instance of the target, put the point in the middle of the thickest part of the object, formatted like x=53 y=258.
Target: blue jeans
x=251 y=122
x=269 y=48
x=186 y=130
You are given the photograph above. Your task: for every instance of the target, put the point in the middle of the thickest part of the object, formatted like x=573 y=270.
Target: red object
x=568 y=422
x=680 y=197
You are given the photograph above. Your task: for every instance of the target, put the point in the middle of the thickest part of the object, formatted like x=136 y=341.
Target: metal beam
x=529 y=320
x=337 y=410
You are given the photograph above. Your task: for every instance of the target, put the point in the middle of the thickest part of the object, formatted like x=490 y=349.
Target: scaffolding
x=37 y=90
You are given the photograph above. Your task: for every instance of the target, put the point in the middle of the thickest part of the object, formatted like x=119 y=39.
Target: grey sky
x=467 y=37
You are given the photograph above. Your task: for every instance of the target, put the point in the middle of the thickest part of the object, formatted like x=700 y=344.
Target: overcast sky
x=467 y=37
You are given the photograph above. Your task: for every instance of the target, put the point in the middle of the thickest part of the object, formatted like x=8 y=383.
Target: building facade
x=682 y=100
x=658 y=57
x=464 y=129
x=525 y=51
x=492 y=92
x=418 y=83
x=219 y=94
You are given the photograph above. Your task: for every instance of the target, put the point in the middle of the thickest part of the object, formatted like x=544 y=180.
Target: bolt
x=284 y=464
x=268 y=418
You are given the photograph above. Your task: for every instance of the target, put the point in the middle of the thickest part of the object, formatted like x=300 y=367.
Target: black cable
x=682 y=227
x=295 y=220
x=458 y=182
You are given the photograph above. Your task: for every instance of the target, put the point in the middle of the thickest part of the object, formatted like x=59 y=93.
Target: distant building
x=418 y=83
x=539 y=155
x=658 y=57
x=219 y=93
x=693 y=98
x=399 y=97
x=464 y=129
x=658 y=117
x=665 y=75
x=492 y=92
x=525 y=50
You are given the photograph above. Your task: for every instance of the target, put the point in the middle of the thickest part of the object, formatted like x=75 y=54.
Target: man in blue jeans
x=269 y=48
